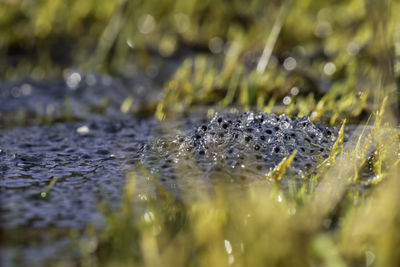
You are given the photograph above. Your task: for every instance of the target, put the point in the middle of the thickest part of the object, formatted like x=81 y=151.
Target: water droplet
x=72 y=79
x=286 y=100
x=290 y=63
x=294 y=91
x=329 y=68
x=26 y=89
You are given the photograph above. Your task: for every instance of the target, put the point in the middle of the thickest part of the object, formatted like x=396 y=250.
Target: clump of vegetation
x=321 y=59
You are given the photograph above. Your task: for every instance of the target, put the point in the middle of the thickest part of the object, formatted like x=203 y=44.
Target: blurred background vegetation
x=350 y=48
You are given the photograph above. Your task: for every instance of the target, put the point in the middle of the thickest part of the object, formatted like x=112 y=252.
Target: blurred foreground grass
x=331 y=60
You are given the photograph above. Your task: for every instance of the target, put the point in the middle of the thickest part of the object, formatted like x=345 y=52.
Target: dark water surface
x=89 y=167
x=89 y=159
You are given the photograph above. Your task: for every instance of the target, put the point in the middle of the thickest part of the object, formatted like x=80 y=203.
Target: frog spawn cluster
x=242 y=146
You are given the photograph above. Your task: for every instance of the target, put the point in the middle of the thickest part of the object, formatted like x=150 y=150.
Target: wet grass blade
x=281 y=168
x=336 y=148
